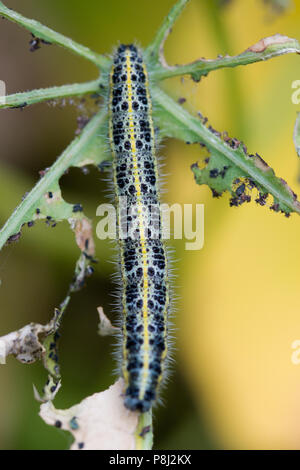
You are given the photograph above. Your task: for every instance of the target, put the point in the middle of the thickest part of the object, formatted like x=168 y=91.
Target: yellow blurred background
x=233 y=384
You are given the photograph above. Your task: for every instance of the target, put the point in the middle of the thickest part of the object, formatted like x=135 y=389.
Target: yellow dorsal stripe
x=141 y=229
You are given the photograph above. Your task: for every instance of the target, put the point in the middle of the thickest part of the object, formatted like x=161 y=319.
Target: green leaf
x=227 y=166
x=45 y=199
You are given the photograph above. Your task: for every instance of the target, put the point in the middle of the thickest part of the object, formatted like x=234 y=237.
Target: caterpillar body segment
x=143 y=258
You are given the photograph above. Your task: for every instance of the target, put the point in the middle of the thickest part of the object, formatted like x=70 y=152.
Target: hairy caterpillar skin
x=145 y=286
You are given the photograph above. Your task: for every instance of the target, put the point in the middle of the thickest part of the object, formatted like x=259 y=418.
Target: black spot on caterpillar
x=145 y=286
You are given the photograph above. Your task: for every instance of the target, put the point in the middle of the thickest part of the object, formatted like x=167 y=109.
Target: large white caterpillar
x=145 y=286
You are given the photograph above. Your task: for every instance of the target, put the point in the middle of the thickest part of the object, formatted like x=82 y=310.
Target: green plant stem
x=69 y=157
x=202 y=67
x=46 y=94
x=47 y=34
x=235 y=101
x=182 y=125
x=154 y=49
x=144 y=432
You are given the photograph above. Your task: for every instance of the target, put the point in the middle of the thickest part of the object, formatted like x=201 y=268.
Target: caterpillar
x=145 y=286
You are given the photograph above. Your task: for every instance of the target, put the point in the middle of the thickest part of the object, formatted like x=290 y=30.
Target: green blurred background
x=233 y=384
